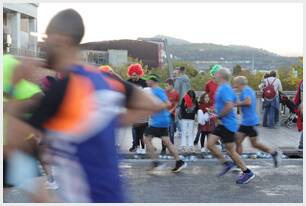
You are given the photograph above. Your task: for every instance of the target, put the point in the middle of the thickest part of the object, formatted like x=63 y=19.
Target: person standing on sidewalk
x=298 y=101
x=211 y=86
x=173 y=97
x=250 y=120
x=135 y=72
x=181 y=85
x=225 y=101
x=272 y=87
x=189 y=108
x=206 y=108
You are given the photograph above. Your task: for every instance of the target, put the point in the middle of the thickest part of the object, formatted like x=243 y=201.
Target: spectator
x=135 y=72
x=173 y=97
x=188 y=107
x=182 y=83
x=260 y=87
x=211 y=86
x=278 y=88
x=298 y=100
x=206 y=107
x=271 y=88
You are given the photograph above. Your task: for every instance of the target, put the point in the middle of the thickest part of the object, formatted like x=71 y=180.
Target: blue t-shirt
x=226 y=94
x=162 y=118
x=249 y=115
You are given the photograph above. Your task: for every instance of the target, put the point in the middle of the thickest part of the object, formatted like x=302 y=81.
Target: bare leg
x=260 y=146
x=211 y=145
x=171 y=148
x=150 y=147
x=235 y=156
x=239 y=139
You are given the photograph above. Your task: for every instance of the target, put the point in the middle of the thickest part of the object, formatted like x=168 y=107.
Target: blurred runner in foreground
x=79 y=115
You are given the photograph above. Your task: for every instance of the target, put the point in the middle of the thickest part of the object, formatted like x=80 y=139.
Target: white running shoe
x=142 y=151
x=219 y=147
x=138 y=151
x=51 y=185
x=203 y=150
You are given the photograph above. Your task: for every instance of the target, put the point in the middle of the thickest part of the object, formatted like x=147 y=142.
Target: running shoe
x=142 y=151
x=133 y=148
x=138 y=151
x=203 y=150
x=183 y=150
x=245 y=178
x=163 y=152
x=155 y=165
x=179 y=166
x=277 y=157
x=226 y=168
x=51 y=185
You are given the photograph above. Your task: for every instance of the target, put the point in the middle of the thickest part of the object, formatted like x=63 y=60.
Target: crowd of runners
x=69 y=122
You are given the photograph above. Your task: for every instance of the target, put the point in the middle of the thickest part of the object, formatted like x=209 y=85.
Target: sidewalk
x=282 y=137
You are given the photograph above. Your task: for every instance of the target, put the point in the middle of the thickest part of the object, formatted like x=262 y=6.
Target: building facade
x=19 y=24
x=110 y=57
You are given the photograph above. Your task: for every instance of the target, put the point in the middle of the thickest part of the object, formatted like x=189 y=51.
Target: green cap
x=215 y=69
x=153 y=77
x=9 y=65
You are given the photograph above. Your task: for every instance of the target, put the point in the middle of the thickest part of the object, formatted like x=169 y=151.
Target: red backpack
x=269 y=91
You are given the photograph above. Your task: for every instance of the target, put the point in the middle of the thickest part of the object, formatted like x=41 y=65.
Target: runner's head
x=240 y=82
x=223 y=75
x=152 y=80
x=64 y=33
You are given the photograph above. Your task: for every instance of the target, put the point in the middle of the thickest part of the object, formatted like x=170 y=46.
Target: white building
x=19 y=21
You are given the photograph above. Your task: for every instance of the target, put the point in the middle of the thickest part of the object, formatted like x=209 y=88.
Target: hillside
x=172 y=40
x=206 y=54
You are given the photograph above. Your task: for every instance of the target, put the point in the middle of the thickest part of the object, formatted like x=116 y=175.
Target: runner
x=79 y=116
x=247 y=102
x=158 y=127
x=225 y=102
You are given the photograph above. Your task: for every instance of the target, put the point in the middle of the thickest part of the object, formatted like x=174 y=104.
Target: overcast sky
x=277 y=27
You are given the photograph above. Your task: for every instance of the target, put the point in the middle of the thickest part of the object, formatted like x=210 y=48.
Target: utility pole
x=170 y=65
x=253 y=62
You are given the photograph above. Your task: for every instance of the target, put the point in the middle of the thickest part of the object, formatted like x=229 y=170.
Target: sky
x=276 y=27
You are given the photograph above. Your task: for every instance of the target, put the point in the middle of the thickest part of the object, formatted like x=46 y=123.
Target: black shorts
x=249 y=131
x=156 y=132
x=226 y=135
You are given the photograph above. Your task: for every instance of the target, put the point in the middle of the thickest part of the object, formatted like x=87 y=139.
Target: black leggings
x=139 y=131
x=203 y=135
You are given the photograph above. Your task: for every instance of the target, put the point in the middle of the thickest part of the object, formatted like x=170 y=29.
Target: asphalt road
x=198 y=183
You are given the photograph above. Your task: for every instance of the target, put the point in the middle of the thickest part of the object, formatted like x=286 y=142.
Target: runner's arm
x=227 y=108
x=246 y=102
